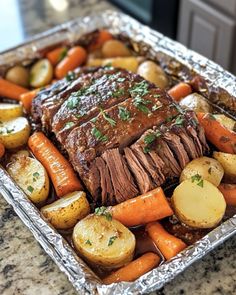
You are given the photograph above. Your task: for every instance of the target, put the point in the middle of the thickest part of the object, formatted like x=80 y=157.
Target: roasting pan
x=218 y=85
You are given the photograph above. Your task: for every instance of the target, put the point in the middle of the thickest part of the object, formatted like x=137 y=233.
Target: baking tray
x=218 y=85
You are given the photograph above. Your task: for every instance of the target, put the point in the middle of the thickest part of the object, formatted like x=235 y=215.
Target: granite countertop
x=25 y=269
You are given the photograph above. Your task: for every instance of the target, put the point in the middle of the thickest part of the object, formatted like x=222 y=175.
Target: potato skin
x=93 y=238
x=195 y=102
x=206 y=167
x=18 y=75
x=67 y=211
x=9 y=111
x=228 y=162
x=114 y=48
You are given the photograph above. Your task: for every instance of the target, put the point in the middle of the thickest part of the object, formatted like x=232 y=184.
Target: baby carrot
x=59 y=169
x=145 y=208
x=74 y=58
x=179 y=91
x=102 y=37
x=134 y=269
x=27 y=98
x=229 y=193
x=56 y=55
x=220 y=136
x=11 y=90
x=168 y=244
x=2 y=150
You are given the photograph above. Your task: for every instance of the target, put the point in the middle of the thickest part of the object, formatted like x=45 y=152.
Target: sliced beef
x=143 y=179
x=122 y=180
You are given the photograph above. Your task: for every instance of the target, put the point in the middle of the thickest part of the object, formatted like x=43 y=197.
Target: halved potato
x=18 y=75
x=104 y=241
x=14 y=133
x=198 y=203
x=228 y=162
x=114 y=48
x=195 y=102
x=31 y=177
x=10 y=111
x=208 y=168
x=67 y=211
x=41 y=73
x=226 y=121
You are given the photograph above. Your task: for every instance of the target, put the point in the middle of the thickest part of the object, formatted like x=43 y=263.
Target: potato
x=195 y=102
x=41 y=73
x=10 y=111
x=228 y=162
x=31 y=177
x=114 y=48
x=226 y=121
x=18 y=75
x=104 y=241
x=150 y=71
x=207 y=168
x=14 y=133
x=67 y=211
x=198 y=204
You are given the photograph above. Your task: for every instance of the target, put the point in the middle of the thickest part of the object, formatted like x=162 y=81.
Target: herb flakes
x=179 y=121
x=98 y=134
x=73 y=101
x=124 y=114
x=69 y=125
x=111 y=121
x=140 y=89
x=198 y=178
x=149 y=138
x=141 y=103
x=111 y=240
x=103 y=212
x=70 y=76
x=88 y=243
x=30 y=188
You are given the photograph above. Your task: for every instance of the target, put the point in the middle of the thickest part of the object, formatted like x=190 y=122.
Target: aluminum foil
x=220 y=87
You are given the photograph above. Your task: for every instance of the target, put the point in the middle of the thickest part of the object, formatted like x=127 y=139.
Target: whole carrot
x=59 y=169
x=74 y=58
x=27 y=98
x=220 y=136
x=56 y=55
x=134 y=269
x=229 y=193
x=101 y=38
x=168 y=244
x=11 y=90
x=2 y=150
x=179 y=91
x=145 y=208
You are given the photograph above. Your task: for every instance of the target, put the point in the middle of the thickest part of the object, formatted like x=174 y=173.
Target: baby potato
x=228 y=162
x=195 y=102
x=226 y=121
x=67 y=211
x=31 y=177
x=14 y=133
x=206 y=167
x=150 y=71
x=10 y=111
x=18 y=75
x=114 y=48
x=104 y=241
x=198 y=204
x=41 y=73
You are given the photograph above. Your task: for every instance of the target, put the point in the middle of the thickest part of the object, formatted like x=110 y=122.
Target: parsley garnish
x=88 y=242
x=94 y=120
x=200 y=183
x=124 y=114
x=10 y=130
x=103 y=212
x=98 y=134
x=36 y=174
x=179 y=121
x=69 y=125
x=146 y=149
x=30 y=188
x=73 y=101
x=197 y=177
x=111 y=240
x=111 y=121
x=120 y=79
x=156 y=95
x=140 y=89
x=156 y=107
x=63 y=54
x=141 y=103
x=149 y=138
x=118 y=92
x=70 y=76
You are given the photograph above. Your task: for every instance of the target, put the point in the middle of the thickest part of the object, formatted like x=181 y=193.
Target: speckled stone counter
x=25 y=269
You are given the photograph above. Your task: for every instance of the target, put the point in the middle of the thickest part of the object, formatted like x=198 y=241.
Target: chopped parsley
x=98 y=134
x=103 y=212
x=141 y=103
x=63 y=54
x=36 y=174
x=124 y=114
x=149 y=138
x=140 y=89
x=156 y=107
x=70 y=76
x=156 y=95
x=73 y=101
x=69 y=125
x=179 y=121
x=169 y=119
x=200 y=183
x=146 y=149
x=10 y=130
x=111 y=121
x=30 y=189
x=111 y=240
x=197 y=177
x=88 y=243
x=120 y=79
x=94 y=120
x=118 y=93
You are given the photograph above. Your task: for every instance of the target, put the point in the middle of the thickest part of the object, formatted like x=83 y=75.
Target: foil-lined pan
x=218 y=85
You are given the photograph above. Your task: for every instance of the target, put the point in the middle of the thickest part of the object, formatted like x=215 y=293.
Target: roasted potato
x=104 y=241
x=228 y=162
x=226 y=121
x=195 y=102
x=150 y=71
x=114 y=48
x=41 y=73
x=10 y=111
x=31 y=177
x=198 y=203
x=18 y=75
x=206 y=167
x=14 y=133
x=67 y=211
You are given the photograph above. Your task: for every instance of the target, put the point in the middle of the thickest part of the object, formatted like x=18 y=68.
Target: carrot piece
x=11 y=90
x=220 y=136
x=27 y=98
x=102 y=37
x=75 y=57
x=59 y=169
x=229 y=193
x=56 y=55
x=179 y=91
x=168 y=244
x=134 y=269
x=142 y=209
x=2 y=150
